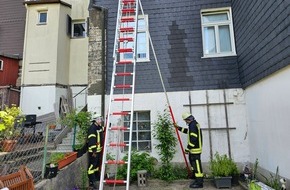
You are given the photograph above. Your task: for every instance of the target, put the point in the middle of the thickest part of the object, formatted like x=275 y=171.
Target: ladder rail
x=132 y=97
x=104 y=156
x=128 y=34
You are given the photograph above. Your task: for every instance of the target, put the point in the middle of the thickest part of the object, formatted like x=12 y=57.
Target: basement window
x=1 y=65
x=141 y=134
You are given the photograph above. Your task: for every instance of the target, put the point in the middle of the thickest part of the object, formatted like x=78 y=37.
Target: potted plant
x=9 y=117
x=57 y=161
x=52 y=126
x=223 y=169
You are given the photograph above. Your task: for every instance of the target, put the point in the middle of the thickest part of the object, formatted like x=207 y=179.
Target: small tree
x=164 y=133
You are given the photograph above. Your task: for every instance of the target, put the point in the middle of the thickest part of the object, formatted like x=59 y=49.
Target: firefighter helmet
x=96 y=116
x=186 y=115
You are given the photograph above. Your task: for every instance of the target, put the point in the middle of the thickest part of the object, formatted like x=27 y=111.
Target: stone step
x=64 y=148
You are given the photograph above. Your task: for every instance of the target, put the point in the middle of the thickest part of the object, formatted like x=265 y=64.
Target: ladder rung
x=128 y=11
x=126 y=39
x=115 y=128
x=128 y=1
x=117 y=144
x=127 y=19
x=116 y=162
x=121 y=113
x=122 y=86
x=127 y=29
x=113 y=181
x=124 y=74
x=121 y=99
x=125 y=50
x=125 y=62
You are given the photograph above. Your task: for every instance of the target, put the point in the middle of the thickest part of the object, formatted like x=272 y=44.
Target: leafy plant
x=164 y=133
x=179 y=171
x=10 y=117
x=139 y=161
x=273 y=180
x=81 y=119
x=222 y=166
x=55 y=157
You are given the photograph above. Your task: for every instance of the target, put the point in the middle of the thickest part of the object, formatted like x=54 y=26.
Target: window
x=217 y=33
x=141 y=135
x=42 y=17
x=1 y=65
x=142 y=40
x=79 y=29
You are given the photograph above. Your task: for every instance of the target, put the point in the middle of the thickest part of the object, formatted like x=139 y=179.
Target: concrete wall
x=268 y=109
x=156 y=102
x=47 y=98
x=78 y=69
x=67 y=178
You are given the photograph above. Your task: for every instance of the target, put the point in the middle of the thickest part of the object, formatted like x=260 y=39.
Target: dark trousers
x=94 y=167
x=196 y=168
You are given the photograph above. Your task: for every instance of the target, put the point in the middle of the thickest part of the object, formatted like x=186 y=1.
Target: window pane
x=144 y=115
x=42 y=17
x=141 y=24
x=126 y=136
x=1 y=65
x=141 y=45
x=215 y=17
x=209 y=40
x=144 y=146
x=144 y=136
x=144 y=126
x=79 y=30
x=225 y=39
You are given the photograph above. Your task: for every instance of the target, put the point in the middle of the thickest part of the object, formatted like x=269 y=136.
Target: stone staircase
x=67 y=143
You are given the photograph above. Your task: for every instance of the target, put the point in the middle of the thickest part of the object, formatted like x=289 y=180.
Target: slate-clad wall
x=175 y=29
x=262 y=31
x=12 y=24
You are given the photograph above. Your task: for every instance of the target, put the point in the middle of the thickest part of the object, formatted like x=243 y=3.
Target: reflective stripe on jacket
x=95 y=137
x=194 y=136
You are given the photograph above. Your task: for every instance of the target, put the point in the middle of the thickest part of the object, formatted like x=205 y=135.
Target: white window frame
x=85 y=28
x=1 y=65
x=145 y=30
x=39 y=16
x=139 y=30
x=216 y=24
x=136 y=129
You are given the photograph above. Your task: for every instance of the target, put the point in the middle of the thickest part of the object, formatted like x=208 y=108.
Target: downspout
x=24 y=56
x=104 y=52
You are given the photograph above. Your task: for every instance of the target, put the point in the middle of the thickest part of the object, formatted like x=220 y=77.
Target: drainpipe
x=104 y=53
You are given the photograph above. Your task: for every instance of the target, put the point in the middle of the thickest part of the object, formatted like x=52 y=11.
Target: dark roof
x=12 y=26
x=33 y=2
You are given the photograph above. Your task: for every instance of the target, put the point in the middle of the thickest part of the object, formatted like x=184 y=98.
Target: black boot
x=198 y=183
x=93 y=185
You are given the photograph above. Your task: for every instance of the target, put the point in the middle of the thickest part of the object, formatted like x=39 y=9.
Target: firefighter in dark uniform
x=194 y=148
x=95 y=145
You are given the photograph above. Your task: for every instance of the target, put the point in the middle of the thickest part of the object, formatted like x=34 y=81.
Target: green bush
x=166 y=146
x=139 y=161
x=222 y=166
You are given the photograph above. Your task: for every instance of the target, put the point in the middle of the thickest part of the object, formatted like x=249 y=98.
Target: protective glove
x=175 y=125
